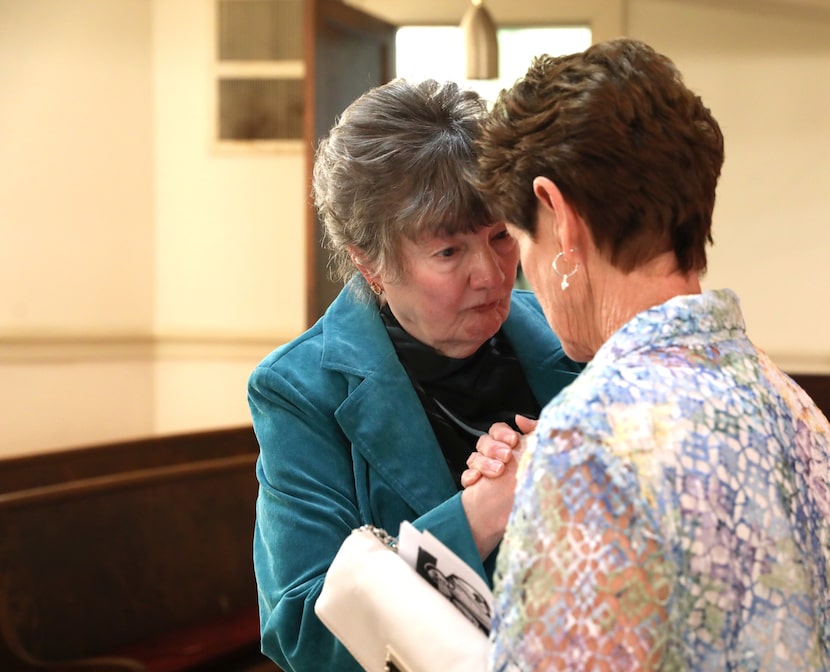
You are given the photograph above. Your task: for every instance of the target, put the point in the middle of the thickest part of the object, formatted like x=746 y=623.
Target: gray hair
x=400 y=161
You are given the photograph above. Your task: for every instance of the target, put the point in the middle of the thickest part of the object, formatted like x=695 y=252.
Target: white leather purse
x=390 y=618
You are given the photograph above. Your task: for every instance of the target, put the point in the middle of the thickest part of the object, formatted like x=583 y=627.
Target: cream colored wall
x=229 y=237
x=230 y=240
x=143 y=273
x=76 y=157
x=766 y=76
x=77 y=248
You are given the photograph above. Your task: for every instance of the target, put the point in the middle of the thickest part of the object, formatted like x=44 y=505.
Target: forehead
x=447 y=230
x=443 y=225
x=445 y=236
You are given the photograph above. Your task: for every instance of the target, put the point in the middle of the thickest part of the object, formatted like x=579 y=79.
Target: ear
x=545 y=192
x=569 y=229
x=365 y=270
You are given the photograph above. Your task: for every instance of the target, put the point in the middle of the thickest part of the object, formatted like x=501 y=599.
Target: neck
x=618 y=296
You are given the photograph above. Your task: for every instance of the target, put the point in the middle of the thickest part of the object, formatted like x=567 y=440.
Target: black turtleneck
x=464 y=397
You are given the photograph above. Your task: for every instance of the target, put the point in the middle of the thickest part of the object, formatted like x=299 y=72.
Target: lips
x=487 y=307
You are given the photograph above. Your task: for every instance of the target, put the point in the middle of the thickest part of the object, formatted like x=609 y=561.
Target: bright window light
x=437 y=52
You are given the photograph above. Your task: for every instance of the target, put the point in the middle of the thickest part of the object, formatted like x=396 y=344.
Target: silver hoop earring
x=564 y=284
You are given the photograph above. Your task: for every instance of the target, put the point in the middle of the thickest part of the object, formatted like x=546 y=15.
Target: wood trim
x=37 y=470
x=53 y=493
x=322 y=20
x=310 y=14
x=37 y=348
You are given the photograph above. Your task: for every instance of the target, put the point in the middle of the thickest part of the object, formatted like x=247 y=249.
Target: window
x=259 y=73
x=443 y=59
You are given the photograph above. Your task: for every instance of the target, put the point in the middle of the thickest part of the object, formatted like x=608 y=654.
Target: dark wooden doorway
x=347 y=52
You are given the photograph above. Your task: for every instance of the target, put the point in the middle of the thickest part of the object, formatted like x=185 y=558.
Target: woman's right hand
x=495 y=449
x=488 y=501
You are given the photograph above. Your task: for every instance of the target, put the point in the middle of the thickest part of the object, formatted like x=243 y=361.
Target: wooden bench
x=817 y=386
x=132 y=556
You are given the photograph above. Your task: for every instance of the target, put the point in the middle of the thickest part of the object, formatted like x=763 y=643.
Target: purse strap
x=382 y=535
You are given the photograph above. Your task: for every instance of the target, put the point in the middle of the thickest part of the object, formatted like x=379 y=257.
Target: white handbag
x=389 y=617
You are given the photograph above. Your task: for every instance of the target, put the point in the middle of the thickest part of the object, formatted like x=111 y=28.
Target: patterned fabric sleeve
x=587 y=565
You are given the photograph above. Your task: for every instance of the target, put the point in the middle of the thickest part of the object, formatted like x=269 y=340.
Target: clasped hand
x=495 y=449
x=490 y=481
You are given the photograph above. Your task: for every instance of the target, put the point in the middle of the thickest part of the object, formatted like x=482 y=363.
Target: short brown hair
x=633 y=150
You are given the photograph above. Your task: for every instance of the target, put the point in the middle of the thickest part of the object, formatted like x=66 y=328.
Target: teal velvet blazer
x=344 y=441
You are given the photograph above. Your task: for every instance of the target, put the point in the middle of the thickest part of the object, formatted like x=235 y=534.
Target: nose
x=486 y=269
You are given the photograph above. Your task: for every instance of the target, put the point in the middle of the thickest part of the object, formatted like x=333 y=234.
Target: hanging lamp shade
x=480 y=44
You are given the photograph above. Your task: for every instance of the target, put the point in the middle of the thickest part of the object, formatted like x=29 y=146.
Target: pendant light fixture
x=480 y=43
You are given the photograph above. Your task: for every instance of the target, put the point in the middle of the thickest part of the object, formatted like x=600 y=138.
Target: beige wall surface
x=229 y=237
x=76 y=157
x=229 y=224
x=77 y=248
x=144 y=272
x=765 y=73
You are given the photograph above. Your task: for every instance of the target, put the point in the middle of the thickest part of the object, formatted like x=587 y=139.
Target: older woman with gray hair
x=369 y=416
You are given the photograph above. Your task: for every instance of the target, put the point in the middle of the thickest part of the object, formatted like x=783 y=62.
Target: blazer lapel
x=381 y=414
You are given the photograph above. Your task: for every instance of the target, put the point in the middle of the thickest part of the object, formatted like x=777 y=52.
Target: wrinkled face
x=454 y=292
